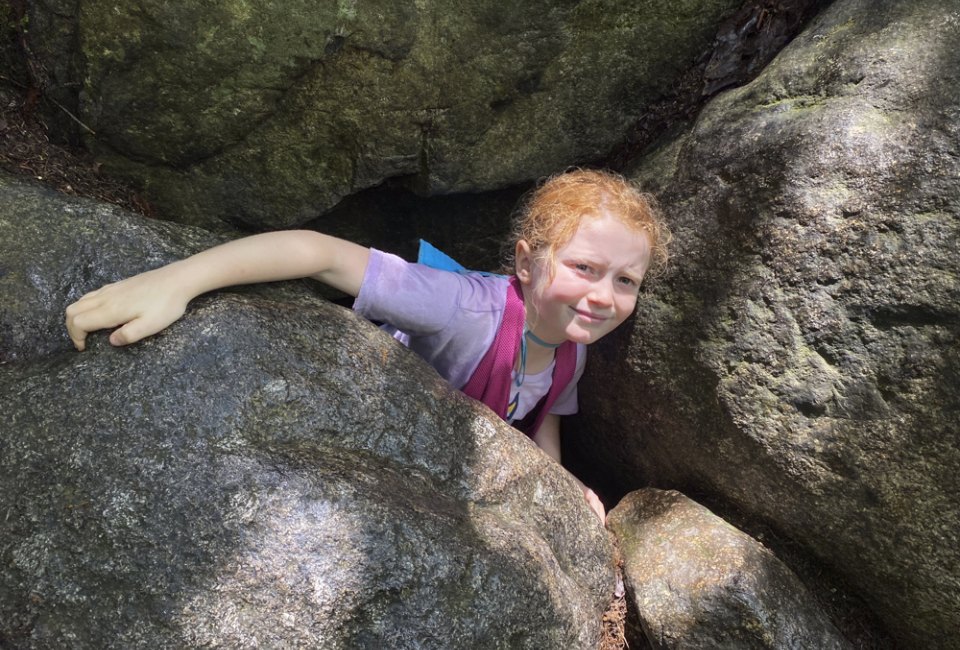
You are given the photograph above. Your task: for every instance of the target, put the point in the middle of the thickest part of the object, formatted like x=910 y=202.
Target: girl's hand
x=140 y=306
x=147 y=303
x=595 y=504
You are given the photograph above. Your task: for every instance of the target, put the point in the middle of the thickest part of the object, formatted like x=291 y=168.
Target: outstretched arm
x=548 y=439
x=147 y=303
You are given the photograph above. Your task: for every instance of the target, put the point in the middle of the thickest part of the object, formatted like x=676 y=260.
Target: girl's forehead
x=609 y=232
x=609 y=242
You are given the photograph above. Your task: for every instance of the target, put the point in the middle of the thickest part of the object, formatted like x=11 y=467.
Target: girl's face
x=595 y=285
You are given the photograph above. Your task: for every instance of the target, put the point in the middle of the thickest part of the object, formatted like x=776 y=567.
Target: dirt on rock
x=26 y=150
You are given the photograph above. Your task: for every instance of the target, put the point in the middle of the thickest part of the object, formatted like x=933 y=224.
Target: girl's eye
x=629 y=282
x=583 y=268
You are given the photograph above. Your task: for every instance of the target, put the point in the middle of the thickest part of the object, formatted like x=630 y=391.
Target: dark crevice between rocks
x=17 y=64
x=471 y=228
x=745 y=43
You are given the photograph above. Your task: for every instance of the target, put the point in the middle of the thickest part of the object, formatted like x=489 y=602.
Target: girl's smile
x=590 y=317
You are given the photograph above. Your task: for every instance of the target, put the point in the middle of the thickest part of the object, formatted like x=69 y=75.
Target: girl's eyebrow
x=635 y=271
x=590 y=261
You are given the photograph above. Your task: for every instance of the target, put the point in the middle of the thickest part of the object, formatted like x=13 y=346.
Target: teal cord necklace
x=521 y=372
x=528 y=334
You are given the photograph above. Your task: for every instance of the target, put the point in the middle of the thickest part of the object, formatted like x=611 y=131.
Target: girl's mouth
x=590 y=317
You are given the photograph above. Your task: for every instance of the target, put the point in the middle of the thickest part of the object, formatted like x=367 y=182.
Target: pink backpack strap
x=565 y=364
x=490 y=382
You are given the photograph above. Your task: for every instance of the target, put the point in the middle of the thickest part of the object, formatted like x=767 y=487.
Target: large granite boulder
x=697 y=583
x=270 y=113
x=800 y=360
x=270 y=471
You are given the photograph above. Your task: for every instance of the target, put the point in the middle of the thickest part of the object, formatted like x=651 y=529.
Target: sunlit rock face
x=269 y=471
x=696 y=582
x=799 y=361
x=269 y=113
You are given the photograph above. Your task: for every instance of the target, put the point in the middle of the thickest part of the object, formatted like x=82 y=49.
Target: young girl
x=582 y=243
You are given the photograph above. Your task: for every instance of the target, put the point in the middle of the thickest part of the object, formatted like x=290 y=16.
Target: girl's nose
x=601 y=293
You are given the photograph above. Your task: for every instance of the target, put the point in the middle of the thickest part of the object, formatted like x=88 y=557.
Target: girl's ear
x=523 y=260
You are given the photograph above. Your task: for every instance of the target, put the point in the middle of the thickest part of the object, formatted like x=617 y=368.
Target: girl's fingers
x=75 y=329
x=139 y=306
x=83 y=319
x=131 y=332
x=79 y=337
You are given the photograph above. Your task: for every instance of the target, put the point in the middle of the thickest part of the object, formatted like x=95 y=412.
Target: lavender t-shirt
x=451 y=320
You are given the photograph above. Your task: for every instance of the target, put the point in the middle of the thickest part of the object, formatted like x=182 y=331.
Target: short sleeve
x=448 y=318
x=416 y=299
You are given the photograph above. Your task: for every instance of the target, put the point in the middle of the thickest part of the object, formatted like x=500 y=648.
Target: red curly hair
x=549 y=215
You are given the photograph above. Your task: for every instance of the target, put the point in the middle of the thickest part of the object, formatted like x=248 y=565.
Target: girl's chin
x=582 y=336
x=588 y=335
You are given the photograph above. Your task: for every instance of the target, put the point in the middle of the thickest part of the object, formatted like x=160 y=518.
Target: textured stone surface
x=697 y=582
x=270 y=113
x=270 y=471
x=800 y=361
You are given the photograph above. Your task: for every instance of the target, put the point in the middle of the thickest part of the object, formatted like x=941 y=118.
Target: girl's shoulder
x=421 y=298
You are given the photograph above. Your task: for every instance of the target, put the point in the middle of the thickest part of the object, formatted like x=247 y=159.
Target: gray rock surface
x=800 y=361
x=697 y=582
x=270 y=471
x=270 y=113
